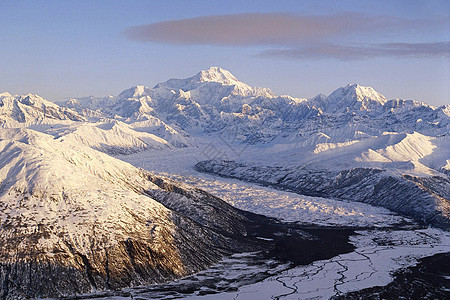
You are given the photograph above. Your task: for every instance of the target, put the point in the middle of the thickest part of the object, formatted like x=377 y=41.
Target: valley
x=206 y=187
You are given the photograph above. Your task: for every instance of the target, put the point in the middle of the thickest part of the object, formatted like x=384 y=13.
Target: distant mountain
x=31 y=109
x=215 y=101
x=353 y=97
x=214 y=86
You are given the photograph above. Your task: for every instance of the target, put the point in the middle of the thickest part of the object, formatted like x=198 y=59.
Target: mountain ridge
x=75 y=217
x=74 y=220
x=208 y=103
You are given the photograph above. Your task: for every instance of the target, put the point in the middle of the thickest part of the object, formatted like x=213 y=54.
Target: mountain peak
x=134 y=92
x=354 y=97
x=216 y=74
x=362 y=92
x=211 y=75
x=5 y=94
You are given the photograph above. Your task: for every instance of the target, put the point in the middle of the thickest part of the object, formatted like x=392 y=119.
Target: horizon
x=81 y=48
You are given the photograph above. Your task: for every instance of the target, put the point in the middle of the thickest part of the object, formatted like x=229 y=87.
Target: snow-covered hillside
x=30 y=109
x=115 y=137
x=353 y=127
x=65 y=205
x=75 y=220
x=353 y=97
x=214 y=101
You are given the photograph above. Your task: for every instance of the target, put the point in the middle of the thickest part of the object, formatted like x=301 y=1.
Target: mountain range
x=69 y=205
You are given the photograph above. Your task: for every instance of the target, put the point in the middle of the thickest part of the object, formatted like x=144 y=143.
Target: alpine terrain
x=242 y=193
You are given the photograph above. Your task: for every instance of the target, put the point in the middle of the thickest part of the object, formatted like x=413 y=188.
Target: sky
x=61 y=49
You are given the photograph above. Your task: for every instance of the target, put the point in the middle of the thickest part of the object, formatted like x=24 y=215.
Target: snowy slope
x=134 y=107
x=76 y=220
x=115 y=137
x=31 y=109
x=409 y=153
x=173 y=134
x=95 y=222
x=352 y=97
x=215 y=101
x=353 y=127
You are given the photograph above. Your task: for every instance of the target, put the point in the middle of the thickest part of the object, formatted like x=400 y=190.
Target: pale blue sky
x=61 y=49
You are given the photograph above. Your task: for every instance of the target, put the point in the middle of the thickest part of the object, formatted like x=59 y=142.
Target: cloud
x=295 y=36
x=349 y=52
x=257 y=29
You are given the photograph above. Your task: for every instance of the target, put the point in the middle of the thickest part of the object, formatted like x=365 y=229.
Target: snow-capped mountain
x=75 y=220
x=115 y=137
x=134 y=107
x=65 y=205
x=216 y=87
x=353 y=97
x=215 y=101
x=187 y=103
x=353 y=127
x=31 y=109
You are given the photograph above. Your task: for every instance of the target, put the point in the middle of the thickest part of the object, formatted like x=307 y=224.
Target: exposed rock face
x=424 y=199
x=198 y=205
